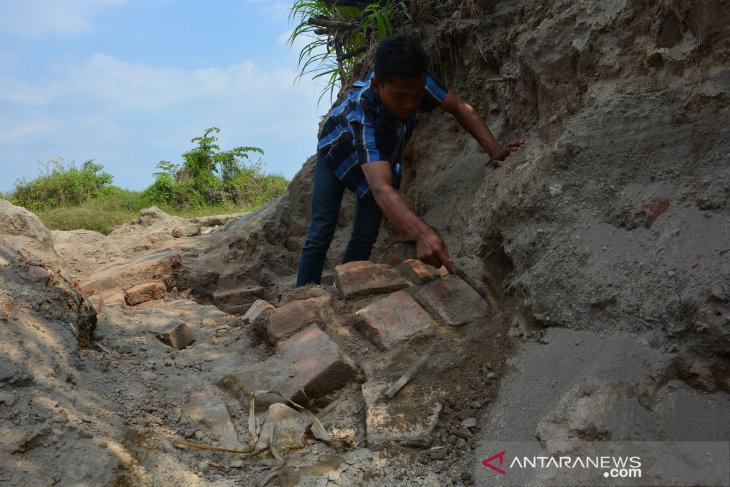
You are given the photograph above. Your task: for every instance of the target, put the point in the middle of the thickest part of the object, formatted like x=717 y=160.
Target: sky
x=129 y=83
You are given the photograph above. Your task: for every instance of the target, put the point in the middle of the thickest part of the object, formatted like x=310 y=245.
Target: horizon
x=129 y=83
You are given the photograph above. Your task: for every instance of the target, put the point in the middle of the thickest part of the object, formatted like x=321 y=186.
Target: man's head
x=401 y=66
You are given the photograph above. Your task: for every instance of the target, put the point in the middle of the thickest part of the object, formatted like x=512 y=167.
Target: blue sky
x=130 y=82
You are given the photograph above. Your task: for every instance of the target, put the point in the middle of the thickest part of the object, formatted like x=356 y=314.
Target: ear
x=375 y=84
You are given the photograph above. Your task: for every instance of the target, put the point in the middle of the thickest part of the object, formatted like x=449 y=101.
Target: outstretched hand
x=504 y=152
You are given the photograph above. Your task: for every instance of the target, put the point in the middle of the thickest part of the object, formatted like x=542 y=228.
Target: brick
x=284 y=428
x=292 y=317
x=320 y=363
x=395 y=319
x=410 y=418
x=161 y=265
x=187 y=230
x=419 y=273
x=257 y=314
x=273 y=374
x=179 y=337
x=452 y=301
x=362 y=278
x=142 y=293
x=243 y=295
x=97 y=302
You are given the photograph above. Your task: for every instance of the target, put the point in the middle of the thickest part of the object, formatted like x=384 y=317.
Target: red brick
x=145 y=292
x=362 y=278
x=243 y=295
x=292 y=317
x=161 y=265
x=393 y=320
x=452 y=301
x=187 y=230
x=419 y=273
x=257 y=314
x=113 y=298
x=321 y=365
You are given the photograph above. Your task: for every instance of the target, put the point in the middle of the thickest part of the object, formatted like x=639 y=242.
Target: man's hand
x=504 y=152
x=432 y=250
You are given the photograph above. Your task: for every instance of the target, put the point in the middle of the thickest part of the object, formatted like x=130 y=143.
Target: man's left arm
x=473 y=123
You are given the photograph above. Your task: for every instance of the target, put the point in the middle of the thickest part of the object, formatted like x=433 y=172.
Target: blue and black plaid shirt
x=361 y=129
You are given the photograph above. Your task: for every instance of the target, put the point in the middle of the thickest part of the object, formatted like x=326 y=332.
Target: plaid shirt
x=361 y=129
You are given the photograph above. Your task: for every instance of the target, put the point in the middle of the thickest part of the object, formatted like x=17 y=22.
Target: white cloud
x=37 y=19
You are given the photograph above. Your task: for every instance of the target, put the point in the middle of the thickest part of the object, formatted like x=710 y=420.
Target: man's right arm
x=429 y=246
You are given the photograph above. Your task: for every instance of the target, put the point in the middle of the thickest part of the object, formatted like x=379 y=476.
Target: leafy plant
x=210 y=176
x=340 y=34
x=60 y=185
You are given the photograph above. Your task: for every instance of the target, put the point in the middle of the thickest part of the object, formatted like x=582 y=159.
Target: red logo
x=499 y=455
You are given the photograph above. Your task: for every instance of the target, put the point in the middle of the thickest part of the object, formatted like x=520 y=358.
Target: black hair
x=400 y=56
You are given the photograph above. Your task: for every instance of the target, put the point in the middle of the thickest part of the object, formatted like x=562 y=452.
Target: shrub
x=60 y=185
x=209 y=176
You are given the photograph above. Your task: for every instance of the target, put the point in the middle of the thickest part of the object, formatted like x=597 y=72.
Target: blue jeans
x=327 y=194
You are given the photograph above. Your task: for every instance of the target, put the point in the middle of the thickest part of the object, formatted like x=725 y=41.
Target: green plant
x=60 y=185
x=339 y=34
x=209 y=176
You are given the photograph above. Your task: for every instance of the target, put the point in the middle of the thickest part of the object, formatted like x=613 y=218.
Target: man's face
x=401 y=95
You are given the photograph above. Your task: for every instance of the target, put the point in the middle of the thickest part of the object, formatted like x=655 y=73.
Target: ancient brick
x=452 y=301
x=419 y=273
x=114 y=298
x=292 y=317
x=409 y=418
x=320 y=364
x=362 y=278
x=257 y=314
x=179 y=337
x=142 y=293
x=394 y=319
x=239 y=296
x=161 y=265
x=273 y=374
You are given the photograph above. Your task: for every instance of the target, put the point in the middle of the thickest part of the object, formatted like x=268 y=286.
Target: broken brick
x=179 y=337
x=418 y=272
x=395 y=319
x=187 y=230
x=452 y=301
x=257 y=314
x=320 y=363
x=161 y=265
x=147 y=291
x=238 y=299
x=362 y=278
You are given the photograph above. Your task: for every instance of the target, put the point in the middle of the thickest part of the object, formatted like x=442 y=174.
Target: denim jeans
x=327 y=194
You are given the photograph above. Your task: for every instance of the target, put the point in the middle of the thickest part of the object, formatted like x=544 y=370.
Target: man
x=360 y=144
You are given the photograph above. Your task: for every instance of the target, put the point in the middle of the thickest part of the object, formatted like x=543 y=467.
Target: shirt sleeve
x=434 y=95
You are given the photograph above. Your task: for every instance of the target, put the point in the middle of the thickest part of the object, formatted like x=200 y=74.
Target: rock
x=362 y=278
x=284 y=428
x=161 y=265
x=187 y=230
x=179 y=337
x=112 y=298
x=419 y=273
x=395 y=319
x=469 y=423
x=409 y=418
x=321 y=365
x=272 y=374
x=206 y=409
x=292 y=317
x=148 y=216
x=147 y=291
x=452 y=301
